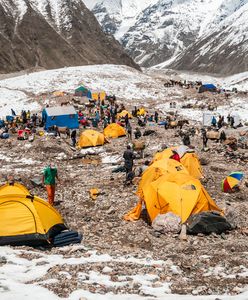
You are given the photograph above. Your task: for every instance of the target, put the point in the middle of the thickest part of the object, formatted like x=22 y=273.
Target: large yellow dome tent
x=188 y=158
x=26 y=219
x=157 y=169
x=177 y=193
x=91 y=138
x=114 y=131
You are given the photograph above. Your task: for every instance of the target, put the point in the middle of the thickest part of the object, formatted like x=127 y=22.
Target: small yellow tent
x=114 y=131
x=123 y=114
x=58 y=94
x=157 y=169
x=26 y=219
x=91 y=138
x=96 y=95
x=177 y=193
x=141 y=112
x=188 y=159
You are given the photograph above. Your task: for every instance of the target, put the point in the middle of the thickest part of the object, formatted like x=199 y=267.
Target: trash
x=94 y=193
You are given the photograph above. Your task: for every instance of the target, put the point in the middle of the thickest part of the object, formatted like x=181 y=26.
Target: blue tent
x=61 y=116
x=207 y=88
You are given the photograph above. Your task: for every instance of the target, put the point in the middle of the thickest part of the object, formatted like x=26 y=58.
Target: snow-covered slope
x=126 y=83
x=155 y=32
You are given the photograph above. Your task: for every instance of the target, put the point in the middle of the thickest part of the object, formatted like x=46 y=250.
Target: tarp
x=61 y=116
x=209 y=86
x=207 y=118
x=114 y=131
x=91 y=138
x=26 y=219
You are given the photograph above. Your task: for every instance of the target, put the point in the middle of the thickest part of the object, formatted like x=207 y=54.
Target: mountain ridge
x=170 y=33
x=52 y=34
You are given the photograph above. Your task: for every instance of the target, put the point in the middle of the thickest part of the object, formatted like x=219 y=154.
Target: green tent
x=82 y=91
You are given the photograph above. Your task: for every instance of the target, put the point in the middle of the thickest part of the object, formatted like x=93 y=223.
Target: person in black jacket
x=128 y=164
x=73 y=137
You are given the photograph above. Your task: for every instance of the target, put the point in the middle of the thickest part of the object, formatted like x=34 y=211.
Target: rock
x=106 y=270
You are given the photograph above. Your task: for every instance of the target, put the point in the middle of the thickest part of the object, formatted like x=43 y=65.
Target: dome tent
x=91 y=138
x=114 y=131
x=26 y=219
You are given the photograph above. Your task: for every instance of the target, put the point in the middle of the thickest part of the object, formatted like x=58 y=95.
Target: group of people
x=221 y=121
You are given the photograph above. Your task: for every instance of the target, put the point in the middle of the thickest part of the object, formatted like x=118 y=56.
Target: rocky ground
x=202 y=265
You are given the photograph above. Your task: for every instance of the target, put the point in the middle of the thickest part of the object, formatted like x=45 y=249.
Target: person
x=137 y=133
x=126 y=120
x=186 y=139
x=129 y=131
x=232 y=121
x=50 y=174
x=214 y=121
x=73 y=137
x=204 y=138
x=141 y=169
x=135 y=111
x=34 y=119
x=28 y=114
x=222 y=136
x=13 y=112
x=128 y=162
x=219 y=122
x=229 y=119
x=156 y=117
x=24 y=117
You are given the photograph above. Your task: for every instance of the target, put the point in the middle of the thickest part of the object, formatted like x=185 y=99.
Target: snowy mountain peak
x=158 y=31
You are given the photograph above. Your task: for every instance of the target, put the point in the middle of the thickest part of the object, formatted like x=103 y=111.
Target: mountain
x=183 y=34
x=53 y=34
x=223 y=51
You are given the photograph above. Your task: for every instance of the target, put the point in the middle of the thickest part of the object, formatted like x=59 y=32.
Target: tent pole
x=183 y=233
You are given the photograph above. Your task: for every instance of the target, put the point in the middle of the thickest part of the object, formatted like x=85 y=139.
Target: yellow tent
x=26 y=219
x=96 y=95
x=123 y=114
x=58 y=94
x=114 y=131
x=91 y=138
x=177 y=193
x=157 y=169
x=13 y=189
x=188 y=159
x=167 y=153
x=141 y=112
